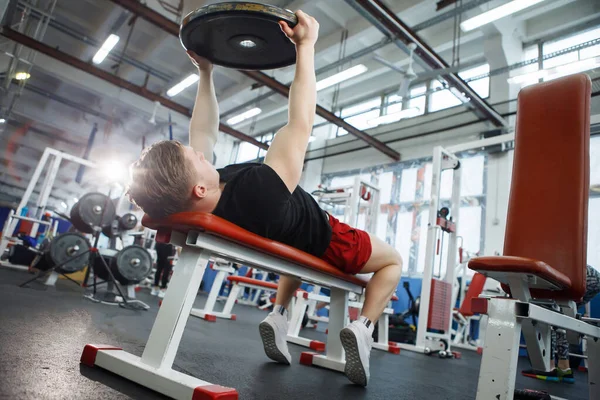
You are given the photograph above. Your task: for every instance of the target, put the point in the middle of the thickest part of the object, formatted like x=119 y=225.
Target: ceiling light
x=2 y=120
x=530 y=76
x=557 y=72
x=342 y=76
x=394 y=117
x=75 y=199
x=63 y=205
x=244 y=116
x=184 y=84
x=577 y=66
x=108 y=45
x=497 y=13
x=114 y=171
x=22 y=76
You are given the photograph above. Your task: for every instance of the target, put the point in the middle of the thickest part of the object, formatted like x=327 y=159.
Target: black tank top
x=256 y=199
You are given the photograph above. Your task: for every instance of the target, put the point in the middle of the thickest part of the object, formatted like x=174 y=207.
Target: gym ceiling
x=61 y=102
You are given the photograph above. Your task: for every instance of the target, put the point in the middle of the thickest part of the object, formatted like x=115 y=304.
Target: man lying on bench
x=265 y=199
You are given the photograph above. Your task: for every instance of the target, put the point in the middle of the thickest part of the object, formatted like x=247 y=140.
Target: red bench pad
x=505 y=264
x=211 y=224
x=250 y=281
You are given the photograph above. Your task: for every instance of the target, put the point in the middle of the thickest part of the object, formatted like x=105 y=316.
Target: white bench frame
x=208 y=313
x=154 y=368
x=304 y=300
x=509 y=317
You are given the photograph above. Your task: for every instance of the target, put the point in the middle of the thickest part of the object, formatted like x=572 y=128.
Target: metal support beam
x=391 y=26
x=115 y=80
x=173 y=28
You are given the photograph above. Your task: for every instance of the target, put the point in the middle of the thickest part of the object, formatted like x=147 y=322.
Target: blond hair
x=162 y=179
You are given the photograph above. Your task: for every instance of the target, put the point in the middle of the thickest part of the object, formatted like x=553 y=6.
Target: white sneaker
x=161 y=293
x=357 y=341
x=273 y=332
x=155 y=291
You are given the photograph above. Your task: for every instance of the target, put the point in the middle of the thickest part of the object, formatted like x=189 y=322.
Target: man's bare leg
x=357 y=338
x=286 y=288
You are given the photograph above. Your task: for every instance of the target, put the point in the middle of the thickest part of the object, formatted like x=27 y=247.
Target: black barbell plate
x=240 y=35
x=69 y=248
x=92 y=210
x=133 y=263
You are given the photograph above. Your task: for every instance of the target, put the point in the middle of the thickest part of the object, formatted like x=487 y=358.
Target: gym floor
x=43 y=330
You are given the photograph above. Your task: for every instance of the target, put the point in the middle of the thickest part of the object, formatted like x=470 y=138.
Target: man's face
x=206 y=173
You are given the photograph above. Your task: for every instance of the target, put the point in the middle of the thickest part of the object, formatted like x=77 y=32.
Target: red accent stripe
x=211 y=392
x=317 y=346
x=88 y=356
x=306 y=358
x=479 y=305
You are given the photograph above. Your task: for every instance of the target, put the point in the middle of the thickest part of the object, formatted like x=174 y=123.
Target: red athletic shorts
x=350 y=248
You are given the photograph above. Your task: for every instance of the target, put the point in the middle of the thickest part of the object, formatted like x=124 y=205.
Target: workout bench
x=544 y=262
x=202 y=237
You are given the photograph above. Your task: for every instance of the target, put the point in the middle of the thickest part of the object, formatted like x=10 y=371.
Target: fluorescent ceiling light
x=497 y=13
x=342 y=76
x=108 y=45
x=244 y=116
x=22 y=76
x=578 y=66
x=2 y=120
x=556 y=72
x=394 y=117
x=184 y=84
x=530 y=76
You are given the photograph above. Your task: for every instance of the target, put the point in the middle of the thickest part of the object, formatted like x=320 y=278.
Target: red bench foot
x=88 y=356
x=210 y=318
x=394 y=349
x=306 y=358
x=457 y=354
x=317 y=345
x=233 y=317
x=214 y=392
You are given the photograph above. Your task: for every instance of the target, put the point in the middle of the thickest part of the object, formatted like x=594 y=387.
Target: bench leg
x=154 y=369
x=233 y=295
x=338 y=317
x=593 y=354
x=501 y=352
x=208 y=312
x=383 y=341
x=298 y=310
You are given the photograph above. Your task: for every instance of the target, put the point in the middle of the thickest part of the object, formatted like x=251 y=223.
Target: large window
x=441 y=99
x=359 y=115
x=404 y=206
x=481 y=85
x=249 y=152
x=418 y=101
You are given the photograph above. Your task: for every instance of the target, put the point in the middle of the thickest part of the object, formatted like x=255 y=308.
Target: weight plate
x=127 y=222
x=133 y=263
x=240 y=35
x=99 y=269
x=112 y=229
x=93 y=210
x=68 y=248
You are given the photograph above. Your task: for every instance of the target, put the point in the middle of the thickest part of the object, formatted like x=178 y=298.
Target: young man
x=266 y=199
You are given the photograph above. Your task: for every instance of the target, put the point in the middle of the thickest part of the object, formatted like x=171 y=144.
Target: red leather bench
x=213 y=225
x=545 y=242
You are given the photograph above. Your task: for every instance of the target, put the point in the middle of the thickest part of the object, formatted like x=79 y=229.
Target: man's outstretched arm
x=204 y=125
x=286 y=154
